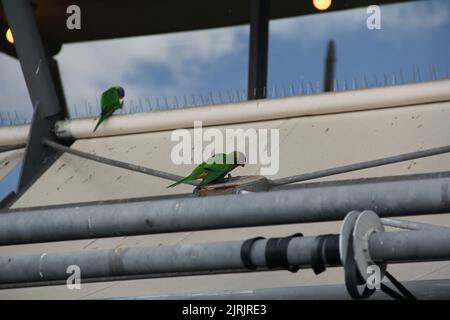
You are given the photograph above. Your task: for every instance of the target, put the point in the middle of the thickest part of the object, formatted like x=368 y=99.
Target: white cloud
x=89 y=68
x=13 y=91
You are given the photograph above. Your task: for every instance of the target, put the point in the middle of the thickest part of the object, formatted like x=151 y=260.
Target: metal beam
x=259 y=48
x=117 y=163
x=398 y=247
x=40 y=83
x=330 y=62
x=422 y=289
x=314 y=202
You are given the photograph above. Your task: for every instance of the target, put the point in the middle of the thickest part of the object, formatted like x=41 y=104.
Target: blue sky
x=413 y=36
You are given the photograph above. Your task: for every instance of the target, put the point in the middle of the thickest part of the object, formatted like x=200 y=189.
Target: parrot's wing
x=110 y=100
x=213 y=176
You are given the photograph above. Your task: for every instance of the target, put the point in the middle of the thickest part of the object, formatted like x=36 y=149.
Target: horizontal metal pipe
x=407 y=246
x=14 y=135
x=315 y=202
x=260 y=110
x=207 y=257
x=422 y=290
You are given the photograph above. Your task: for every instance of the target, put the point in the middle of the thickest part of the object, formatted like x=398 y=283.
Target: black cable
x=361 y=165
x=116 y=163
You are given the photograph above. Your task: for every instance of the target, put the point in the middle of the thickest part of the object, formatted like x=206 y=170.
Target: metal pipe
x=12 y=147
x=422 y=289
x=206 y=257
x=361 y=165
x=330 y=62
x=260 y=110
x=32 y=56
x=410 y=225
x=408 y=246
x=327 y=201
x=117 y=163
x=258 y=49
x=14 y=135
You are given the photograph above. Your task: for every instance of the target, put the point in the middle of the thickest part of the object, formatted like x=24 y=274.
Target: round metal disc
x=346 y=231
x=366 y=223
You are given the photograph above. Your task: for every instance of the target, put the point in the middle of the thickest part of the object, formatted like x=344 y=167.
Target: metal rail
x=316 y=202
x=389 y=196
x=389 y=247
x=362 y=165
x=117 y=163
x=12 y=147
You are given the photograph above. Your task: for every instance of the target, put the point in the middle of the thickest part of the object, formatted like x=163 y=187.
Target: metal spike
x=345 y=84
x=149 y=104
x=433 y=73
x=167 y=102
x=230 y=96
x=375 y=80
x=418 y=74
x=364 y=81
x=385 y=79
x=238 y=96
x=394 y=78
x=402 y=78
x=210 y=98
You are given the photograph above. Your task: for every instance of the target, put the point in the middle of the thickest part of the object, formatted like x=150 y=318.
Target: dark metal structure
x=41 y=87
x=259 y=49
x=330 y=65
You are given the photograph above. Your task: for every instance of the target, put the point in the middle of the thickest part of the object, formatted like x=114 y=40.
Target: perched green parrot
x=111 y=101
x=215 y=168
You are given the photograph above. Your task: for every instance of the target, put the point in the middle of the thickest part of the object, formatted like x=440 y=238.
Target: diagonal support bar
x=41 y=88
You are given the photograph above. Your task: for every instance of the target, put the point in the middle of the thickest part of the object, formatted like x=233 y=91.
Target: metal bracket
x=366 y=224
x=358 y=227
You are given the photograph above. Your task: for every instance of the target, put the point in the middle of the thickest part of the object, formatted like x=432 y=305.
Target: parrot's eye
x=121 y=92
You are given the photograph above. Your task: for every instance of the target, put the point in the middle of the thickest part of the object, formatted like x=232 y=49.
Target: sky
x=412 y=44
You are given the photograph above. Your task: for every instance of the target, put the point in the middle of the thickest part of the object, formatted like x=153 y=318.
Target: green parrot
x=111 y=100
x=215 y=168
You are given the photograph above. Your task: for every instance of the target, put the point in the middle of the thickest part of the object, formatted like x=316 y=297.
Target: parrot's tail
x=179 y=182
x=98 y=123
